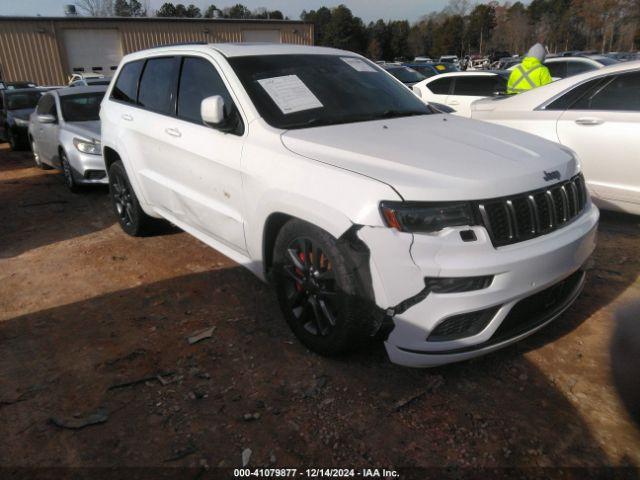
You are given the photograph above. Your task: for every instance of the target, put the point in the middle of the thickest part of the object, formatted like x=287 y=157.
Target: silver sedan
x=64 y=132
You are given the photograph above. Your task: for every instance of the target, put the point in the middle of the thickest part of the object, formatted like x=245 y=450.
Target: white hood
x=436 y=157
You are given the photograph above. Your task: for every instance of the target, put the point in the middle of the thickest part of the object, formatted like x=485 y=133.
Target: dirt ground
x=94 y=326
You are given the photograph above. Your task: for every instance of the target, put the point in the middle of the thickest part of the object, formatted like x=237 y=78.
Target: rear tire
x=126 y=206
x=317 y=289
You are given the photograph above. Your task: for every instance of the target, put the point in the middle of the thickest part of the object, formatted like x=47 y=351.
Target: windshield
x=406 y=74
x=22 y=100
x=83 y=107
x=299 y=91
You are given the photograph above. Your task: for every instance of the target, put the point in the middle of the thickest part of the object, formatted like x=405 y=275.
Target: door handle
x=454 y=102
x=589 y=121
x=174 y=132
x=127 y=117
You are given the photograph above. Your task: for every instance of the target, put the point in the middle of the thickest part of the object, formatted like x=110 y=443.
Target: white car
x=459 y=90
x=91 y=82
x=64 y=133
x=596 y=114
x=308 y=166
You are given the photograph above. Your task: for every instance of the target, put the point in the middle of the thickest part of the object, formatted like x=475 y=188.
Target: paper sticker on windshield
x=290 y=94
x=357 y=64
x=441 y=67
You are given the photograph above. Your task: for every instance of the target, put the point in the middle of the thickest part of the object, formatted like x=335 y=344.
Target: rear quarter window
x=476 y=85
x=126 y=86
x=441 y=86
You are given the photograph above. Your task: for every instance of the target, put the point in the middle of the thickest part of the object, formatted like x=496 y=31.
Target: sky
x=368 y=10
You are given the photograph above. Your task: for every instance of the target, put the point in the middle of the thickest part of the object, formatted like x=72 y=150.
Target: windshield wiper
x=402 y=113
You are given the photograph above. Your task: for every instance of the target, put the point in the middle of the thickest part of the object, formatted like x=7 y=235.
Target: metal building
x=47 y=50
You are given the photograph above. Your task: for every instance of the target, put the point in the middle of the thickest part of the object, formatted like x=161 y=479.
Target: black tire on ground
x=125 y=204
x=67 y=172
x=36 y=155
x=14 y=142
x=317 y=289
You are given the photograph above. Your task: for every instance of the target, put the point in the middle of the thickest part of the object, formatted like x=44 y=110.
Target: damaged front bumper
x=522 y=287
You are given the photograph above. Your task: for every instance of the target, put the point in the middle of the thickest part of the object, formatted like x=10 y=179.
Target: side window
x=574 y=67
x=126 y=86
x=475 y=85
x=622 y=92
x=441 y=86
x=557 y=69
x=158 y=85
x=199 y=79
x=568 y=99
x=46 y=105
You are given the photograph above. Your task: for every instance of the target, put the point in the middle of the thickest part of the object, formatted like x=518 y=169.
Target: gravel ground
x=94 y=327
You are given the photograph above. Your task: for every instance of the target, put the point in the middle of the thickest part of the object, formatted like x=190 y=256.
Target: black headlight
x=426 y=217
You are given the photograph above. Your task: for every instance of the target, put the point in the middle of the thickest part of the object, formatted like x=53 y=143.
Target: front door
x=603 y=128
x=208 y=173
x=187 y=169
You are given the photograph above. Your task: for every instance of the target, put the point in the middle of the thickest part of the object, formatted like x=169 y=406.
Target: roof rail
x=179 y=44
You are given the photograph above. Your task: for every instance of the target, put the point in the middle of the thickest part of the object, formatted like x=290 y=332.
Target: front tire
x=67 y=171
x=36 y=156
x=316 y=289
x=125 y=204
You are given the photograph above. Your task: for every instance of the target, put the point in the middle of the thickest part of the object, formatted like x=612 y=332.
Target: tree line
x=460 y=28
x=465 y=29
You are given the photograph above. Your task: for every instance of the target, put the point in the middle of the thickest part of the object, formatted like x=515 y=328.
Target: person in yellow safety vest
x=531 y=73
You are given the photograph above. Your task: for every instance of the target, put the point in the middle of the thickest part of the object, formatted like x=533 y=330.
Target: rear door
x=603 y=127
x=150 y=149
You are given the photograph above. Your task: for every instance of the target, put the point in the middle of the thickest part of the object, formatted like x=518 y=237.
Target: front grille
x=522 y=217
x=463 y=325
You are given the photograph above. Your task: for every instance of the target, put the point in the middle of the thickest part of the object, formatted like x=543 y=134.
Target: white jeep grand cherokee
x=372 y=214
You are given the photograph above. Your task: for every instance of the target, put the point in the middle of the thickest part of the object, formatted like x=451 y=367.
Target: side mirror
x=45 y=118
x=212 y=111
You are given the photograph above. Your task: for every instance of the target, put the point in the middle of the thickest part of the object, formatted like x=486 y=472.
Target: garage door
x=92 y=50
x=261 y=36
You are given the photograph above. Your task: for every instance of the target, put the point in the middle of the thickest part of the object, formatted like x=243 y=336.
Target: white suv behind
x=370 y=213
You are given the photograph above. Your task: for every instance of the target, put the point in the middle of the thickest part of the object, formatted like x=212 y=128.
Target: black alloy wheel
x=131 y=216
x=317 y=289
x=69 y=180
x=123 y=201
x=310 y=287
